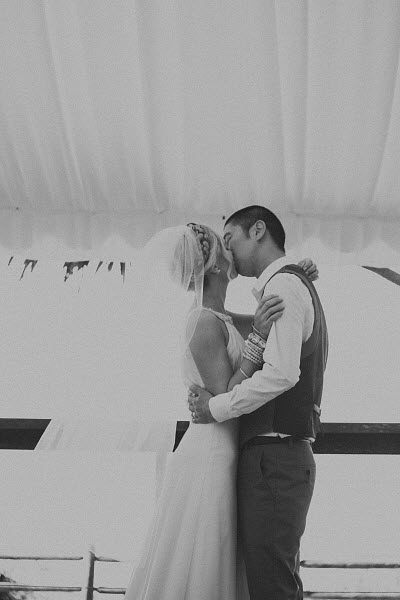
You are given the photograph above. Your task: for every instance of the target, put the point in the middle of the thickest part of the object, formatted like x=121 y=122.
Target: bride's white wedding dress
x=191 y=552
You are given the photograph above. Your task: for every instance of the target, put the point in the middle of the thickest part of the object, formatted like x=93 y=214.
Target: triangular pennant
x=28 y=262
x=70 y=269
x=71 y=266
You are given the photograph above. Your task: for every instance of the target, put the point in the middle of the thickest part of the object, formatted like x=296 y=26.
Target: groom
x=278 y=409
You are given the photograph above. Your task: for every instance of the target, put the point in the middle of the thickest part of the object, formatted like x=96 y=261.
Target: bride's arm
x=209 y=348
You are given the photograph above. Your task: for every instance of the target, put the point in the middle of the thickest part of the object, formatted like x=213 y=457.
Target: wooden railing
x=346 y=438
x=88 y=587
x=335 y=438
x=320 y=595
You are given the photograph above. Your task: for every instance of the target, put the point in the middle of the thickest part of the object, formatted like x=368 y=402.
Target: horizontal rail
x=8 y=557
x=24 y=423
x=352 y=595
x=121 y=591
x=334 y=438
x=308 y=564
x=20 y=587
x=360 y=428
x=107 y=590
x=331 y=427
x=37 y=588
x=345 y=438
x=97 y=558
x=339 y=428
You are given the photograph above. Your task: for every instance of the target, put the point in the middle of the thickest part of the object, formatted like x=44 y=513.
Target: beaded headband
x=203 y=239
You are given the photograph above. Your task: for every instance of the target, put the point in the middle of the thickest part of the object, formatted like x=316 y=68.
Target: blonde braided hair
x=203 y=238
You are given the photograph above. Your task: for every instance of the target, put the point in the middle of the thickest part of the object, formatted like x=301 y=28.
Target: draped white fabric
x=78 y=348
x=120 y=118
x=70 y=352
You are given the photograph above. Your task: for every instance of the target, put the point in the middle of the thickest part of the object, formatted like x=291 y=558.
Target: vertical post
x=87 y=588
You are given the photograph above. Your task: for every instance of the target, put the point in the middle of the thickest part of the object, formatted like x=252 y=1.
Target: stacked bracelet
x=257 y=359
x=257 y=340
x=243 y=373
x=253 y=352
x=257 y=332
x=254 y=348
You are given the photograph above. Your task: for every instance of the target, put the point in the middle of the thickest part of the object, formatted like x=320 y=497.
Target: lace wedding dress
x=191 y=552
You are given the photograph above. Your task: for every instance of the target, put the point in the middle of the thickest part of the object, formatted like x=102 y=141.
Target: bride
x=192 y=551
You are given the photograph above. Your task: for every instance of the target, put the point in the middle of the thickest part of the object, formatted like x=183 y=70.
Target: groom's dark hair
x=246 y=217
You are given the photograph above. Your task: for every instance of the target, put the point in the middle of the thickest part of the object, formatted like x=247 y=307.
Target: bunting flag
x=28 y=262
x=70 y=266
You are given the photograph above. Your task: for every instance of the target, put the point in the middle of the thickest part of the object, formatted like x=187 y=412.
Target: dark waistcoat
x=296 y=411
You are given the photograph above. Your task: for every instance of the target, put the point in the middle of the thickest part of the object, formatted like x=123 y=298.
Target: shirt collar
x=261 y=282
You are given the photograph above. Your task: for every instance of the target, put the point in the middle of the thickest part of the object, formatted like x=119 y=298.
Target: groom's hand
x=310 y=268
x=198 y=400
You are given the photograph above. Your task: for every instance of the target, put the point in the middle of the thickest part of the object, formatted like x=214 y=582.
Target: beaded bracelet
x=256 y=361
x=257 y=340
x=256 y=358
x=254 y=347
x=257 y=332
x=254 y=354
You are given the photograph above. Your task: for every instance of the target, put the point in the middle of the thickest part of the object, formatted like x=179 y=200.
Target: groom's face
x=241 y=247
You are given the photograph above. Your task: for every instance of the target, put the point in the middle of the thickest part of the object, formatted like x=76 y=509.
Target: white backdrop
x=69 y=349
x=121 y=118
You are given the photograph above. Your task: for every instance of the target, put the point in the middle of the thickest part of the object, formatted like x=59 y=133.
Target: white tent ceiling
x=119 y=118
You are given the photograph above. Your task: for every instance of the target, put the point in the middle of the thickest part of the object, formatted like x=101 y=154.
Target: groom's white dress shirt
x=281 y=370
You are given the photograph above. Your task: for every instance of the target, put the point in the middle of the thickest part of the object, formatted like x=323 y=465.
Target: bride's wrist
x=248 y=368
x=254 y=347
x=258 y=332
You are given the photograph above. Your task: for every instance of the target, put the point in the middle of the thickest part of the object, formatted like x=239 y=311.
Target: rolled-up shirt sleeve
x=281 y=369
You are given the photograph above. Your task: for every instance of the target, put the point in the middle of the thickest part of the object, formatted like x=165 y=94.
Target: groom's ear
x=258 y=230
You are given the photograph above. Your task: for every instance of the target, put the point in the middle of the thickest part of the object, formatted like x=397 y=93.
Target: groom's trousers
x=275 y=487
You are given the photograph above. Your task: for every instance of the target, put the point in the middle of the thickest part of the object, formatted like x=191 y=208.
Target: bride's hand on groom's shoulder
x=310 y=268
x=269 y=309
x=198 y=401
